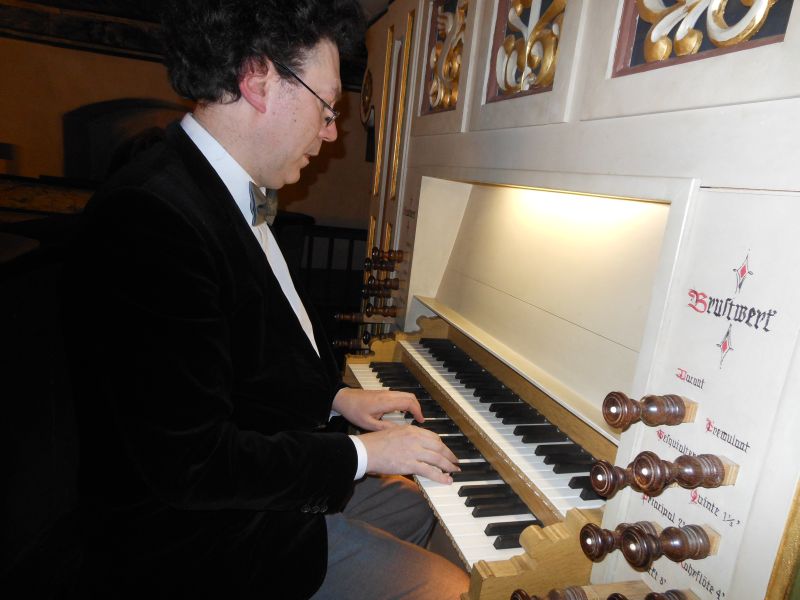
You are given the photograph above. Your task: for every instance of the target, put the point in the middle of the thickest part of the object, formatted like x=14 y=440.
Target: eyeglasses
x=334 y=113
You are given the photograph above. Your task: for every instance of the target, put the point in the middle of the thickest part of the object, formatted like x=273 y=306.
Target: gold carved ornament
x=684 y=14
x=529 y=60
x=445 y=57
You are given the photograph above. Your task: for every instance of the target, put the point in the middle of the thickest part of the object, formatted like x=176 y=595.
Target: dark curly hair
x=209 y=44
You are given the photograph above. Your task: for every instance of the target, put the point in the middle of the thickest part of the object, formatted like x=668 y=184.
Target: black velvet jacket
x=202 y=406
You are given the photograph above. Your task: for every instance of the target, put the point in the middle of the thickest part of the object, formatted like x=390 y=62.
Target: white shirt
x=237 y=180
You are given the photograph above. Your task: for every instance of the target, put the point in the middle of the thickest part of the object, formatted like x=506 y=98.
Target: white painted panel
x=562 y=279
x=744 y=390
x=441 y=207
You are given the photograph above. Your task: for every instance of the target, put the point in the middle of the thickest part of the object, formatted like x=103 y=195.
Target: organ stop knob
x=620 y=412
x=597 y=542
x=651 y=475
x=691 y=542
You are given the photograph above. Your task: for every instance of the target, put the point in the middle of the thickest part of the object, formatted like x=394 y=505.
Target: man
x=203 y=383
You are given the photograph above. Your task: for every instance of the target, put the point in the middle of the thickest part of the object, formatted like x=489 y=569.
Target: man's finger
x=437 y=460
x=433 y=473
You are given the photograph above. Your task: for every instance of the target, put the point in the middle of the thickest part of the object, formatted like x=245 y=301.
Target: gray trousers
x=374 y=548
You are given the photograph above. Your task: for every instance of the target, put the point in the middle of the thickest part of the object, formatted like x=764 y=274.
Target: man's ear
x=254 y=86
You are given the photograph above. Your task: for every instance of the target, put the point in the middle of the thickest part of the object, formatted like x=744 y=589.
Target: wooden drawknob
x=617 y=596
x=570 y=593
x=685 y=543
x=651 y=474
x=522 y=595
x=620 y=412
x=390 y=255
x=608 y=479
x=370 y=292
x=597 y=542
x=385 y=311
x=351 y=317
x=382 y=284
x=668 y=595
x=642 y=548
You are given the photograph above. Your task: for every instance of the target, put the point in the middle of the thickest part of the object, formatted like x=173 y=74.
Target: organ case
x=651 y=288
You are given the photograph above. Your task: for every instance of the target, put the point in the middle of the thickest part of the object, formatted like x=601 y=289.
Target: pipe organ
x=582 y=262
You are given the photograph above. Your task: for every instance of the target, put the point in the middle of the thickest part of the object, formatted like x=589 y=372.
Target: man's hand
x=409 y=450
x=364 y=408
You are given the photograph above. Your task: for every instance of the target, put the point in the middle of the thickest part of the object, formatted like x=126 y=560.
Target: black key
x=590 y=494
x=543 y=437
x=439 y=426
x=512 y=508
x=504 y=542
x=489 y=500
x=429 y=413
x=526 y=429
x=564 y=468
x=473 y=374
x=516 y=408
x=410 y=390
x=474 y=377
x=457 y=440
x=387 y=366
x=576 y=459
x=476 y=467
x=493 y=390
x=495 y=406
x=461 y=447
x=522 y=420
x=428 y=403
x=515 y=527
x=546 y=449
x=466 y=490
x=581 y=481
x=474 y=472
x=483 y=387
x=387 y=374
x=463 y=453
x=436 y=342
x=500 y=397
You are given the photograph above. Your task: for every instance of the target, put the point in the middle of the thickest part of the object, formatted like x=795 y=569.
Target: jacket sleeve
x=161 y=344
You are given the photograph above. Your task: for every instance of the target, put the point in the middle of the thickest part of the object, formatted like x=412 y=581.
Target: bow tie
x=263 y=206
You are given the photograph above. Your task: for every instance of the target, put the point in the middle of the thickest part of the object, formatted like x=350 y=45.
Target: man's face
x=297 y=124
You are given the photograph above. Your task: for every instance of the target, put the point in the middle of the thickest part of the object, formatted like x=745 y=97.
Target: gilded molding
x=376 y=183
x=401 y=106
x=682 y=17
x=444 y=60
x=528 y=56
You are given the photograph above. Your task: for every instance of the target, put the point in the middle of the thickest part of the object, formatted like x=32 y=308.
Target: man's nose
x=329 y=133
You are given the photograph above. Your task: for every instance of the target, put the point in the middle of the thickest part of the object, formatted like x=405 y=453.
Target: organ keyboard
x=522 y=473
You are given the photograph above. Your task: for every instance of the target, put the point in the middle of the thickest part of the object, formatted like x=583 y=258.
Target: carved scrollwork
x=445 y=56
x=682 y=18
x=528 y=56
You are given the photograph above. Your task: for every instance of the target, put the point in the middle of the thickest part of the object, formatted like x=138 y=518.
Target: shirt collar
x=235 y=178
